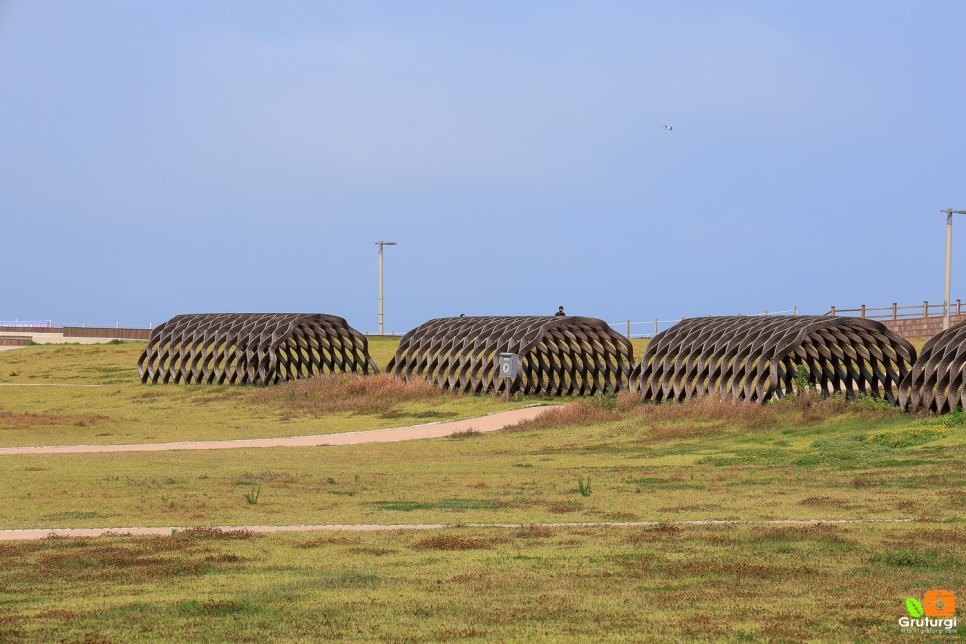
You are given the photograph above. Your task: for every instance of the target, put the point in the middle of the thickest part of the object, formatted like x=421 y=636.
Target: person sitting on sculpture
x=560 y=313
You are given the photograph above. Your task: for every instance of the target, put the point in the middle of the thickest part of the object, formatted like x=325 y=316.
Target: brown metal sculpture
x=559 y=355
x=252 y=348
x=935 y=383
x=756 y=358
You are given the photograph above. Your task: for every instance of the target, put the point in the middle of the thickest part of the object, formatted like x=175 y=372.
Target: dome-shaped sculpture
x=935 y=382
x=756 y=358
x=252 y=348
x=558 y=354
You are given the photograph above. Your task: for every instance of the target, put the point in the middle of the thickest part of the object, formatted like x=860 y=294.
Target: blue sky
x=163 y=158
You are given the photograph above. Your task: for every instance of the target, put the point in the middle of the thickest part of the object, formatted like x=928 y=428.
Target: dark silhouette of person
x=559 y=313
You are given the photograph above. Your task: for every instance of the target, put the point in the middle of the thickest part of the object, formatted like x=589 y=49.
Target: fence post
x=766 y=313
x=655 y=327
x=958 y=304
x=795 y=311
x=628 y=329
x=863 y=311
x=925 y=309
x=833 y=311
x=895 y=311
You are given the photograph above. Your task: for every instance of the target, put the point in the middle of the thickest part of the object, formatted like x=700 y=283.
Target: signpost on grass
x=509 y=367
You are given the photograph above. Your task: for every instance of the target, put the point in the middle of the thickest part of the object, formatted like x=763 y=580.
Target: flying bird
x=667 y=127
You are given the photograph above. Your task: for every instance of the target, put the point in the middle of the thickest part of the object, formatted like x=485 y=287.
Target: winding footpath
x=43 y=533
x=488 y=423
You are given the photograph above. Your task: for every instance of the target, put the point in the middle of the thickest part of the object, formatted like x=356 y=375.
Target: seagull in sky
x=667 y=127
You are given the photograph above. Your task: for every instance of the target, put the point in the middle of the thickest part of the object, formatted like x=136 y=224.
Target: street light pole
x=949 y=254
x=380 y=244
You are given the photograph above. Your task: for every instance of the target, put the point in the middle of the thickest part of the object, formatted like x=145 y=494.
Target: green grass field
x=600 y=459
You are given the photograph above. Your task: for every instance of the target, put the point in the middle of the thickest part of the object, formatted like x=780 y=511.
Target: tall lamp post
x=380 y=244
x=949 y=253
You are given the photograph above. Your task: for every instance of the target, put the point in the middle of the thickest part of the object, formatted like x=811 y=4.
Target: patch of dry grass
x=24 y=420
x=672 y=420
x=348 y=392
x=584 y=411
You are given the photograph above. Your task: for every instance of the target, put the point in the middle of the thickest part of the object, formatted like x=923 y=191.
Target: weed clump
x=213 y=534
x=466 y=433
x=452 y=542
x=533 y=532
x=251 y=498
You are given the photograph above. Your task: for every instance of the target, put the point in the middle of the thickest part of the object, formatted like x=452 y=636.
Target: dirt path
x=488 y=423
x=43 y=384
x=43 y=533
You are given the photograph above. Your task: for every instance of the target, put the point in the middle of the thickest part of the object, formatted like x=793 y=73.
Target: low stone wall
x=95 y=332
x=920 y=328
x=57 y=336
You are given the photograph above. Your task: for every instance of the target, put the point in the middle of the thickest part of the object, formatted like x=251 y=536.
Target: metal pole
x=380 y=288
x=949 y=256
x=380 y=244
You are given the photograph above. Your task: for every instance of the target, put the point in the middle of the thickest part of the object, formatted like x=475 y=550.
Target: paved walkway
x=488 y=423
x=42 y=533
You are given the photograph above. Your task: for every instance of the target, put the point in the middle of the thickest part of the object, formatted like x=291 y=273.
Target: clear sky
x=172 y=157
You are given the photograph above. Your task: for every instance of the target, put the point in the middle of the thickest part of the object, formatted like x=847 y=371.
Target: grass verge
x=660 y=583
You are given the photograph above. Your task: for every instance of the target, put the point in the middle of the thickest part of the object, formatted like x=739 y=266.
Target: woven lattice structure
x=935 y=382
x=756 y=358
x=252 y=348
x=559 y=355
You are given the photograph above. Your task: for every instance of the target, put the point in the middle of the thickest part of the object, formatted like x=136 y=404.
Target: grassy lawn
x=832 y=461
x=600 y=459
x=122 y=410
x=663 y=583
